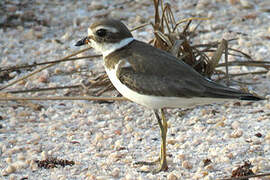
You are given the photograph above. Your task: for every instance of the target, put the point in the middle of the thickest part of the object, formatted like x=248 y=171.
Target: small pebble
x=233 y=2
x=255 y=169
x=21 y=156
x=230 y=155
x=204 y=173
x=236 y=133
x=145 y=168
x=61 y=177
x=33 y=165
x=186 y=165
x=96 y=5
x=220 y=124
x=172 y=141
x=13 y=177
x=20 y=165
x=90 y=176
x=115 y=172
x=181 y=156
x=268 y=74
x=10 y=169
x=235 y=125
x=8 y=160
x=66 y=36
x=130 y=177
x=13 y=74
x=43 y=78
x=29 y=35
x=209 y=167
x=44 y=155
x=172 y=176
x=118 y=144
x=102 y=177
x=246 y=4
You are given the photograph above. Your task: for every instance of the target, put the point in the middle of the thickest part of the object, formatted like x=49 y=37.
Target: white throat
x=108 y=48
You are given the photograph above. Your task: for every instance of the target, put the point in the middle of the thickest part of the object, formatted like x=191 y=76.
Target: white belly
x=157 y=102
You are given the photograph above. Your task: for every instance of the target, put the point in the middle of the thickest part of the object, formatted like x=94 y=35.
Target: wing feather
x=156 y=72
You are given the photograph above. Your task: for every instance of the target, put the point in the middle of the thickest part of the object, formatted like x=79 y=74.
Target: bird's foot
x=163 y=166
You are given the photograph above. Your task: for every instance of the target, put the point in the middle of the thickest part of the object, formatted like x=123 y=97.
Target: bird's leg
x=157 y=161
x=163 y=131
x=162 y=158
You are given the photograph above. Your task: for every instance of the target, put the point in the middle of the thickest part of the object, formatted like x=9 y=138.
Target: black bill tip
x=82 y=42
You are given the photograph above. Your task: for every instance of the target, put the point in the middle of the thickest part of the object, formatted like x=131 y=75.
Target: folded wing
x=156 y=72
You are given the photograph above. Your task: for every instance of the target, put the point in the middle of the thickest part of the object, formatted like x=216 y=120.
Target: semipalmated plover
x=152 y=77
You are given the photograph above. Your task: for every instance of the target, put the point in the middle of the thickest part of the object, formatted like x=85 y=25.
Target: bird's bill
x=82 y=42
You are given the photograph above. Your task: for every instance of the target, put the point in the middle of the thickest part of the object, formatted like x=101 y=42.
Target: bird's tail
x=251 y=97
x=216 y=90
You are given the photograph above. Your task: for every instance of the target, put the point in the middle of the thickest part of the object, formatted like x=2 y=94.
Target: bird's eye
x=101 y=32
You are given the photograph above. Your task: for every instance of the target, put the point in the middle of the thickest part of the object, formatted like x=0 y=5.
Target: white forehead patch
x=90 y=32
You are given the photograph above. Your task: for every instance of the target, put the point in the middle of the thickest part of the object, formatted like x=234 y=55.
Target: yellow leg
x=163 y=131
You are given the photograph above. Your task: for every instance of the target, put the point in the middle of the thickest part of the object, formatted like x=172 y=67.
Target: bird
x=152 y=77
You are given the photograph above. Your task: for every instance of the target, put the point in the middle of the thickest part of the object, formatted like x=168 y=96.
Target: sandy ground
x=105 y=139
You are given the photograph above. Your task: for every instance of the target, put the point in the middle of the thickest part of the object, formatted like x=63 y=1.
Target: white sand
x=105 y=140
